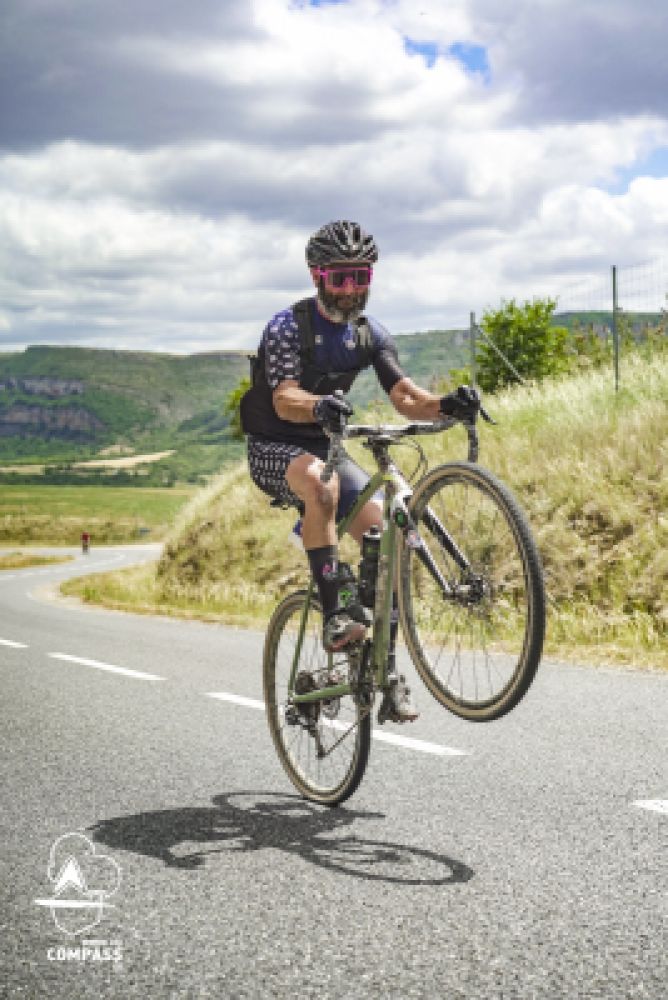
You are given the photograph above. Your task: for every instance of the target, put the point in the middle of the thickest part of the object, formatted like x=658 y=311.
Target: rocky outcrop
x=70 y=422
x=53 y=388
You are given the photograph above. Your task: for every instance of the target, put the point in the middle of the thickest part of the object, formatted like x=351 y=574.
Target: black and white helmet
x=341 y=241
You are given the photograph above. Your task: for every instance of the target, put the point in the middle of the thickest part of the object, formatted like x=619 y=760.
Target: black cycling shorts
x=268 y=462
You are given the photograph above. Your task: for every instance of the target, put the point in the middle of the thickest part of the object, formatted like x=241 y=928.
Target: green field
x=58 y=514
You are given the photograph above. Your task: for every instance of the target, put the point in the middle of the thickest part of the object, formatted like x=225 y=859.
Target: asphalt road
x=529 y=864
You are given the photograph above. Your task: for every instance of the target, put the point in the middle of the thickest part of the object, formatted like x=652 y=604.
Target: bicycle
x=471 y=600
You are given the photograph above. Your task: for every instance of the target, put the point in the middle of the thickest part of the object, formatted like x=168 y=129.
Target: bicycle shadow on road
x=253 y=821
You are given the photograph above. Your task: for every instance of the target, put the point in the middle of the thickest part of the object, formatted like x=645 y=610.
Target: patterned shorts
x=268 y=462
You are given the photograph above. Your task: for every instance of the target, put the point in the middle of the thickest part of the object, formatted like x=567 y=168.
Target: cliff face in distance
x=67 y=422
x=52 y=388
x=88 y=399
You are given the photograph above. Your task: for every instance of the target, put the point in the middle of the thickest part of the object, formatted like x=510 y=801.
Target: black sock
x=324 y=564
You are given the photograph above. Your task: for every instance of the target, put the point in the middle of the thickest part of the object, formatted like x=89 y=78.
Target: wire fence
x=622 y=308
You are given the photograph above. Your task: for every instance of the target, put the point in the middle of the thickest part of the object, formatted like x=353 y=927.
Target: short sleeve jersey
x=335 y=349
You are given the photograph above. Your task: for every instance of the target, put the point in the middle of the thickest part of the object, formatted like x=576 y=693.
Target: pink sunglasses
x=338 y=278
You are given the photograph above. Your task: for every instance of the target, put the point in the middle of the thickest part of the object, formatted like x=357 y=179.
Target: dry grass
x=588 y=465
x=21 y=560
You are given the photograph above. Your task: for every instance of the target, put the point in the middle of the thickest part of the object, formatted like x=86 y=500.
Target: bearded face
x=341 y=307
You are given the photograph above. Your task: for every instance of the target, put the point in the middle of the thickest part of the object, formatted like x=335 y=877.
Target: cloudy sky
x=162 y=163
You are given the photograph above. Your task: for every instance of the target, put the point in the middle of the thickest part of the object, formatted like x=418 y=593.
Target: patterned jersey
x=335 y=349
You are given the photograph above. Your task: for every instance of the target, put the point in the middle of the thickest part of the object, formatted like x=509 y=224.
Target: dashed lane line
x=654 y=805
x=14 y=645
x=97 y=665
x=421 y=746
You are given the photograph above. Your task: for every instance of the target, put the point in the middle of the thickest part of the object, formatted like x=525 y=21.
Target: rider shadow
x=283 y=822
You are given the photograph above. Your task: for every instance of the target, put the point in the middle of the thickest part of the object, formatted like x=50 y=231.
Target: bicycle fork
x=412 y=538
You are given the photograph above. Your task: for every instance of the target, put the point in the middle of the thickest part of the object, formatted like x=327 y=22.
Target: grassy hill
x=62 y=404
x=588 y=465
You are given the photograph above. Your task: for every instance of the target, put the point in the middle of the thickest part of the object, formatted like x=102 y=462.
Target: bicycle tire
x=489 y=636
x=319 y=779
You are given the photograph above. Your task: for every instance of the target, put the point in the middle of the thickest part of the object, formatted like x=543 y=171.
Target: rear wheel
x=473 y=620
x=323 y=745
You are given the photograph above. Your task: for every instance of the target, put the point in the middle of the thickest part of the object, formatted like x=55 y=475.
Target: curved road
x=521 y=859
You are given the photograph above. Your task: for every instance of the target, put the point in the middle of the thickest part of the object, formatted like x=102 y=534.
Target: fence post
x=615 y=331
x=472 y=329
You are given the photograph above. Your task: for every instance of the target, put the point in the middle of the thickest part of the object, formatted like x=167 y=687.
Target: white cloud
x=172 y=211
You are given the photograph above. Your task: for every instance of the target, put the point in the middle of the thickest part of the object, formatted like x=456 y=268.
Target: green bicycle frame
x=392 y=483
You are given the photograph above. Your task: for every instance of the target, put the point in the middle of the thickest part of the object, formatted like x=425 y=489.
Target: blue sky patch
x=472 y=57
x=428 y=50
x=654 y=165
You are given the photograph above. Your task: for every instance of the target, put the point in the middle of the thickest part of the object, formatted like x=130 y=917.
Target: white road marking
x=422 y=746
x=138 y=674
x=237 y=699
x=15 y=645
x=655 y=805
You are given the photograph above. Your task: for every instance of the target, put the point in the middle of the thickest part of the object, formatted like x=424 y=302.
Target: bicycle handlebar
x=392 y=432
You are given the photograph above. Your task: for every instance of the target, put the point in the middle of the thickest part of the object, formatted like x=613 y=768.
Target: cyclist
x=307 y=352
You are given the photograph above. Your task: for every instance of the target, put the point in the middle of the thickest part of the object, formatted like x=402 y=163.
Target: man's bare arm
x=292 y=403
x=413 y=402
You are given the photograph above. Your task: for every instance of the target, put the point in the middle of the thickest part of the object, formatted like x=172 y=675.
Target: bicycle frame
x=396 y=494
x=395 y=488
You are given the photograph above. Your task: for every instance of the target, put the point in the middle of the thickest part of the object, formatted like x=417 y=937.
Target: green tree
x=526 y=337
x=232 y=407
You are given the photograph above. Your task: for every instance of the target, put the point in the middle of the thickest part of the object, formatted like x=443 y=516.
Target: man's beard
x=338 y=310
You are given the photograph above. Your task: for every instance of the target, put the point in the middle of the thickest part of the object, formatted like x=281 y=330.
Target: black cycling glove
x=332 y=413
x=463 y=404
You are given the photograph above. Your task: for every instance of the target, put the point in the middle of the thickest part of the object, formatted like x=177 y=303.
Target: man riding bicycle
x=308 y=352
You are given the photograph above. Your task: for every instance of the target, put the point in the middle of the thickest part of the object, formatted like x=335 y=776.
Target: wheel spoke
x=478 y=647
x=323 y=746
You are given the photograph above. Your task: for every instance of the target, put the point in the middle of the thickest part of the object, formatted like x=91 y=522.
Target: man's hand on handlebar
x=463 y=404
x=332 y=413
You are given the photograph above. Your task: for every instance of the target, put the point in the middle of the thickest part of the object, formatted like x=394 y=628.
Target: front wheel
x=472 y=601
x=323 y=745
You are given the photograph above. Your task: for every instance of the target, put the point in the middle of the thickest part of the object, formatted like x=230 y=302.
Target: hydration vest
x=258 y=416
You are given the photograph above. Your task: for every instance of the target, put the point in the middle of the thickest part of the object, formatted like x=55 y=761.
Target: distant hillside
x=600 y=320
x=59 y=404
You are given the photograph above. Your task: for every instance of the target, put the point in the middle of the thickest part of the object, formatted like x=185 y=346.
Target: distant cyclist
x=307 y=352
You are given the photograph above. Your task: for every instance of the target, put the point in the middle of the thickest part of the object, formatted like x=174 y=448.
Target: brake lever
x=485 y=416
